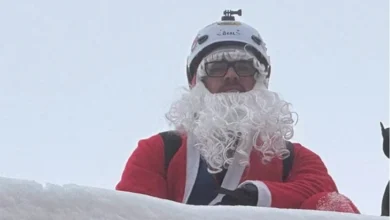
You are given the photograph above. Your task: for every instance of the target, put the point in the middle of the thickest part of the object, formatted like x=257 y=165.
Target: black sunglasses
x=220 y=68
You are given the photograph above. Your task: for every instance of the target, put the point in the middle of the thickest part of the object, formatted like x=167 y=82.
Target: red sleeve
x=309 y=176
x=144 y=170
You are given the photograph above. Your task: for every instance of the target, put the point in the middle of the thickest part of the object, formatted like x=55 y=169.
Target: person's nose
x=231 y=75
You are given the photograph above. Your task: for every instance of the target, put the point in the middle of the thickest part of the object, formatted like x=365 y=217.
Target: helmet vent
x=256 y=39
x=203 y=39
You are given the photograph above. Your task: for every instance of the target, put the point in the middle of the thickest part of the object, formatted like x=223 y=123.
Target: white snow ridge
x=28 y=200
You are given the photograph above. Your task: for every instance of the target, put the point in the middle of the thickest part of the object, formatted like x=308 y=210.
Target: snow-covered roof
x=29 y=200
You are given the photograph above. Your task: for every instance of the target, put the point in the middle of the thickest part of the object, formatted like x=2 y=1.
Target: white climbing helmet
x=226 y=32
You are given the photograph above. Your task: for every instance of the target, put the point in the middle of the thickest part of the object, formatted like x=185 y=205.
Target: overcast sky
x=82 y=81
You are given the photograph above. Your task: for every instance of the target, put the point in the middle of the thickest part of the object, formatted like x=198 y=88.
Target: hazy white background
x=82 y=81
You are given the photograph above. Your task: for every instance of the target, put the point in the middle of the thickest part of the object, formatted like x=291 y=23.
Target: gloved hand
x=246 y=196
x=385 y=135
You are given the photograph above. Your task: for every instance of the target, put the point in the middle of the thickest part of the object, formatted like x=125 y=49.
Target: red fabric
x=309 y=176
x=330 y=201
x=144 y=173
x=144 y=170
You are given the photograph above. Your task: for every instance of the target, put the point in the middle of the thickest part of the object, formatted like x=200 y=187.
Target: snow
x=29 y=200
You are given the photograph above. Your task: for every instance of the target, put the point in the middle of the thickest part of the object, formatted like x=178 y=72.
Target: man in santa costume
x=232 y=135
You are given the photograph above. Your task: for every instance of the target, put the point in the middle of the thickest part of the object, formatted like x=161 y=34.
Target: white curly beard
x=228 y=125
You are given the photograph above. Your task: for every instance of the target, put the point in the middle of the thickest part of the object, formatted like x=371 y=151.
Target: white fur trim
x=192 y=167
x=264 y=198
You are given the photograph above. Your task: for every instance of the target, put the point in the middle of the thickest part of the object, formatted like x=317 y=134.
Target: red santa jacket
x=144 y=173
